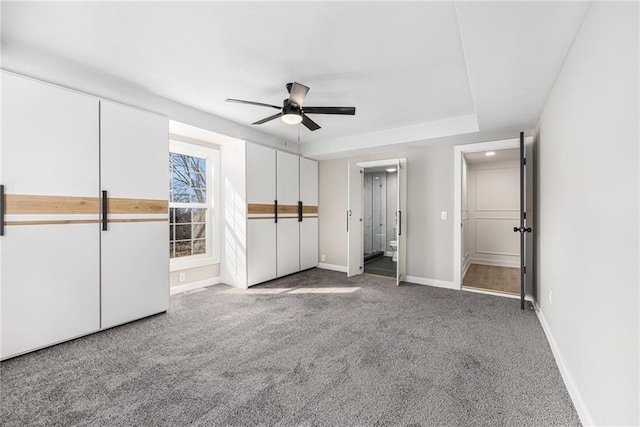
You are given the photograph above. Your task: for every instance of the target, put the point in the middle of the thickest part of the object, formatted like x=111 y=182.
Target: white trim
x=466 y=266
x=377 y=163
x=567 y=377
x=431 y=282
x=458 y=151
x=333 y=267
x=495 y=294
x=495 y=263
x=388 y=253
x=194 y=285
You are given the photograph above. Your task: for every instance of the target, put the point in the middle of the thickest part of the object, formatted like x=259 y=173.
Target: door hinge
x=524 y=269
x=361 y=171
x=525 y=215
x=524 y=161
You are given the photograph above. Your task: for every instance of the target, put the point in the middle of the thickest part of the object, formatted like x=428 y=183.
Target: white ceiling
x=417 y=72
x=499 y=156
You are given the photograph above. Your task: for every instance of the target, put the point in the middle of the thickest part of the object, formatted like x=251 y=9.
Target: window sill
x=186 y=264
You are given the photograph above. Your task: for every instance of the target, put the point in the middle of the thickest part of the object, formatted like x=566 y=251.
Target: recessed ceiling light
x=490 y=153
x=376 y=177
x=391 y=170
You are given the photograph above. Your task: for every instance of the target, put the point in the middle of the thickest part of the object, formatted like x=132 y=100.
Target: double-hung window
x=193 y=183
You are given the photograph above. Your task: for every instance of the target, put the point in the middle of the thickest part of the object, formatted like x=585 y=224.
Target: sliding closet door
x=309 y=218
x=134 y=154
x=261 y=224
x=288 y=230
x=49 y=254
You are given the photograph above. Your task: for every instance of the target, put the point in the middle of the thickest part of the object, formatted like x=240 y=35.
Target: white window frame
x=212 y=157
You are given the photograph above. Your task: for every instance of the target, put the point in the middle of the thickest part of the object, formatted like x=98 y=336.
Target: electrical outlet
x=550 y=300
x=444 y=215
x=323 y=258
x=182 y=277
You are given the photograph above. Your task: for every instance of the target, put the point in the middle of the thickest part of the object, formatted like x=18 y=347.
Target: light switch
x=444 y=215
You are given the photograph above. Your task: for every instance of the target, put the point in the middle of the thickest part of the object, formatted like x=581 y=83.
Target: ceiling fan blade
x=240 y=101
x=347 y=111
x=298 y=93
x=310 y=124
x=268 y=119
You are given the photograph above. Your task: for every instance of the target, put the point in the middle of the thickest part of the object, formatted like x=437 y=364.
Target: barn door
x=526 y=219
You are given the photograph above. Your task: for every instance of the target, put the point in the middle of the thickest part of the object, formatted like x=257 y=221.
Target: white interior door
x=261 y=225
x=134 y=154
x=309 y=219
x=288 y=230
x=50 y=252
x=401 y=218
x=354 y=224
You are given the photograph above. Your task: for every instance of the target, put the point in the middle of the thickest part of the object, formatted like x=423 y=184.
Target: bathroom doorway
x=386 y=256
x=379 y=228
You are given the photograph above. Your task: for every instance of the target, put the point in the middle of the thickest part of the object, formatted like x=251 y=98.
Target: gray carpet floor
x=310 y=349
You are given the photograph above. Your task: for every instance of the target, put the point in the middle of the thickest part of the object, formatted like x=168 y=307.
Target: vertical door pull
x=299 y=211
x=399 y=223
x=275 y=207
x=348 y=215
x=104 y=210
x=2 y=210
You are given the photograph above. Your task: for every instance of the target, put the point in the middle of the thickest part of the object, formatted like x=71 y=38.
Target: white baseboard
x=388 y=253
x=431 y=282
x=467 y=264
x=482 y=261
x=567 y=377
x=333 y=267
x=194 y=285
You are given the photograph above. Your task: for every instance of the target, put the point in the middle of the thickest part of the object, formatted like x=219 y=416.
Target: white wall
x=429 y=191
x=493 y=209
x=587 y=216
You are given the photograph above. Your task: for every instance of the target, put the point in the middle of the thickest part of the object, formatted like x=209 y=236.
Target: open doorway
x=490 y=212
x=380 y=236
x=496 y=216
x=380 y=229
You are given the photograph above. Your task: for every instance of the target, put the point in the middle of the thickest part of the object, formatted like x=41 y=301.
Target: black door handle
x=299 y=211
x=275 y=206
x=104 y=210
x=522 y=229
x=399 y=223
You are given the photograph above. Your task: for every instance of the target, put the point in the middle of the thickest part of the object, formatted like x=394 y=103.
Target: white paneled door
x=309 y=219
x=50 y=251
x=135 y=245
x=261 y=223
x=354 y=223
x=288 y=230
x=401 y=221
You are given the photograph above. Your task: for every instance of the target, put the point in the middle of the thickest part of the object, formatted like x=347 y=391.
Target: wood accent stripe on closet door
x=256 y=208
x=137 y=206
x=83 y=221
x=18 y=204
x=34 y=205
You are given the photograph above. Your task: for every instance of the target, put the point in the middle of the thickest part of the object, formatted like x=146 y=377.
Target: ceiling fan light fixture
x=292 y=118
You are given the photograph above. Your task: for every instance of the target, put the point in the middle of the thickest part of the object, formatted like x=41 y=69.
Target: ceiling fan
x=292 y=112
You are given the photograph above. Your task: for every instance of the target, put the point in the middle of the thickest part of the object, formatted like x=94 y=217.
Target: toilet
x=394 y=247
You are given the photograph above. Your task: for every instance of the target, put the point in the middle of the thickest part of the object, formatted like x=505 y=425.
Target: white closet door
x=288 y=230
x=308 y=243
x=261 y=226
x=288 y=246
x=49 y=255
x=309 y=224
x=134 y=149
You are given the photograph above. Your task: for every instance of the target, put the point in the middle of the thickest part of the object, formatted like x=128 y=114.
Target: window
x=193 y=183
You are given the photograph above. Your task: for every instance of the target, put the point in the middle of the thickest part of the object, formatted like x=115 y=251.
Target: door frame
x=459 y=150
x=400 y=162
